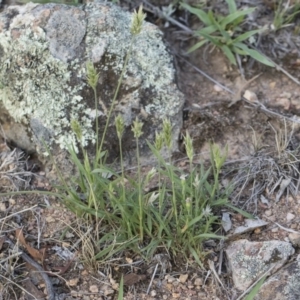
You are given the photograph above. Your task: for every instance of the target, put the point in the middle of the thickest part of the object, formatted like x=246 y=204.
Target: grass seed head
x=120 y=125
x=159 y=140
x=76 y=129
x=167 y=132
x=137 y=21
x=92 y=75
x=137 y=128
x=188 y=142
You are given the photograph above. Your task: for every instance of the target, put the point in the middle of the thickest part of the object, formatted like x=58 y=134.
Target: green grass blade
x=255 y=54
x=245 y=36
x=201 y=14
x=233 y=17
x=216 y=40
x=196 y=46
x=211 y=236
x=240 y=211
x=121 y=287
x=221 y=29
x=228 y=52
x=261 y=58
x=208 y=30
x=238 y=51
x=255 y=289
x=192 y=222
x=196 y=256
x=231 y=6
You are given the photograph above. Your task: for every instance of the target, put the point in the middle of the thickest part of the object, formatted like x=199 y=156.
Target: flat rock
x=250 y=260
x=43 y=55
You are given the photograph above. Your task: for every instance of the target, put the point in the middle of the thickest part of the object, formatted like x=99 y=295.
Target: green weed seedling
x=225 y=32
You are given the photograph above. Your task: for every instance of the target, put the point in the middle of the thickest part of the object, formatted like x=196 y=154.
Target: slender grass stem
x=141 y=205
x=116 y=94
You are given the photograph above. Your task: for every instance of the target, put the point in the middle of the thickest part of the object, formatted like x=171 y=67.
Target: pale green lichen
x=36 y=86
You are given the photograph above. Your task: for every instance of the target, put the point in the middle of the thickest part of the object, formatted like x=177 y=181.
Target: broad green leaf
x=235 y=16
x=261 y=58
x=196 y=46
x=238 y=51
x=216 y=40
x=245 y=36
x=208 y=30
x=240 y=211
x=231 y=6
x=256 y=55
x=201 y=14
x=221 y=29
x=228 y=52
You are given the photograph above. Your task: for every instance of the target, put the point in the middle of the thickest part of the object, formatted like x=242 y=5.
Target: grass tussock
x=268 y=173
x=176 y=216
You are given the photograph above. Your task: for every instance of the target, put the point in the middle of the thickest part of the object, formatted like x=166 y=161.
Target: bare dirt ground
x=261 y=140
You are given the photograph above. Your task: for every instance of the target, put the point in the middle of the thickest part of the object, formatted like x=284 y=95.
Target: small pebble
x=268 y=212
x=257 y=230
x=2 y=206
x=217 y=88
x=171 y=279
x=286 y=95
x=284 y=102
x=183 y=278
x=175 y=283
x=198 y=281
x=250 y=96
x=12 y=201
x=290 y=217
x=94 y=289
x=295 y=239
x=294 y=226
x=73 y=282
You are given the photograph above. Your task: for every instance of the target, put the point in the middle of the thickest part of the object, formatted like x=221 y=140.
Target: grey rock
x=43 y=55
x=250 y=260
x=284 y=285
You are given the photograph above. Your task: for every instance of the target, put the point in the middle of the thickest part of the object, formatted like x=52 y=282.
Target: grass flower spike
x=92 y=75
x=120 y=125
x=167 y=130
x=137 y=21
x=137 y=128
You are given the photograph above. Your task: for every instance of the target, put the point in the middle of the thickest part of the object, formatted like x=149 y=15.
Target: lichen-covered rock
x=249 y=261
x=284 y=285
x=43 y=55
